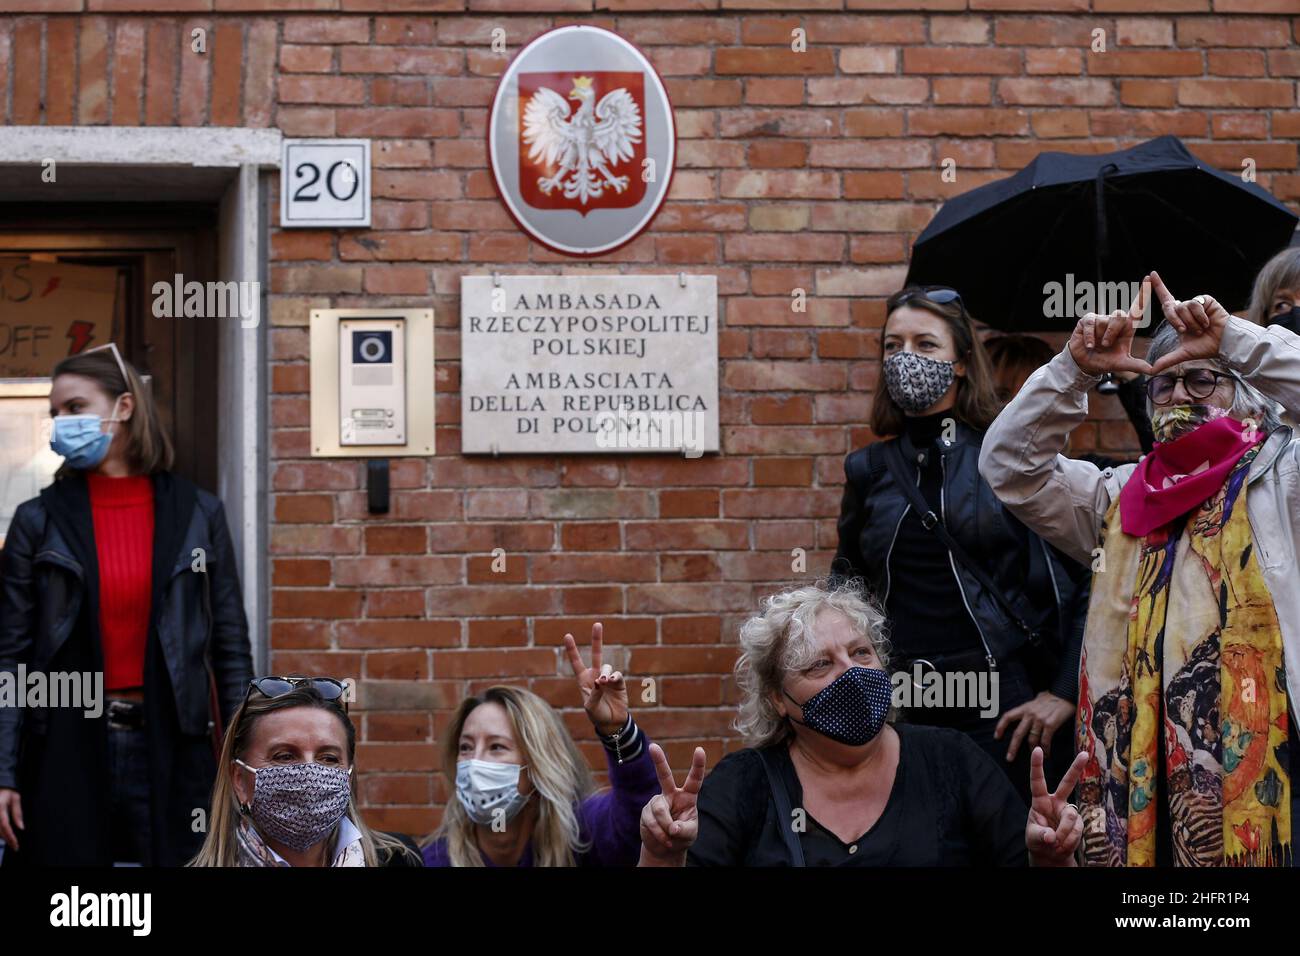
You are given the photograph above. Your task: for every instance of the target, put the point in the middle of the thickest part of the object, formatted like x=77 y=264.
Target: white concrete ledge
x=141 y=145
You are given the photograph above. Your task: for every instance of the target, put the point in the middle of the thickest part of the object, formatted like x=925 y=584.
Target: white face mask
x=488 y=789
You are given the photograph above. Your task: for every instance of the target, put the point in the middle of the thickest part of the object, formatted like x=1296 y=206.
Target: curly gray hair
x=780 y=640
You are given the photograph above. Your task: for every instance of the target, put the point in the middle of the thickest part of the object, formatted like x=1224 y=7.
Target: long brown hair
x=977 y=400
x=220 y=848
x=1280 y=272
x=556 y=768
x=148 y=449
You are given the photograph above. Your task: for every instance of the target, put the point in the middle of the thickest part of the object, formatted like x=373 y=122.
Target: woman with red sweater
x=124 y=569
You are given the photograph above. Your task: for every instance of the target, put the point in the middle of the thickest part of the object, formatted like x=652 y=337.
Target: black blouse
x=950 y=805
x=927 y=613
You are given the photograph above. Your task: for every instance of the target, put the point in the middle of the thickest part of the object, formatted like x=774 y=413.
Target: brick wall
x=813 y=170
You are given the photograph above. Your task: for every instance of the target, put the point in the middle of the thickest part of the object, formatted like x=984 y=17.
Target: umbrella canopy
x=1027 y=251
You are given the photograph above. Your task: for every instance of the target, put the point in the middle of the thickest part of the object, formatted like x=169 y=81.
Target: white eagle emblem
x=586 y=144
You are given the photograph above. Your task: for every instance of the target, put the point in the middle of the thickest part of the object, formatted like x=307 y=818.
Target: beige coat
x=1065 y=500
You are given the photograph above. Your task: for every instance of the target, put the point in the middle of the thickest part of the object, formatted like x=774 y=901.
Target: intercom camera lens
x=372 y=349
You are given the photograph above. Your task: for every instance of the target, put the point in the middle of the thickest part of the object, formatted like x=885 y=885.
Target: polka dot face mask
x=852 y=708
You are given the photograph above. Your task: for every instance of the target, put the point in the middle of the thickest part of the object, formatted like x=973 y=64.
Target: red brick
x=687 y=504
x=512 y=632
x=286 y=572
x=948 y=61
x=315 y=509
x=771 y=62
x=60 y=40
x=315 y=604
x=225 y=47
x=1237 y=93
x=398 y=633
x=476 y=663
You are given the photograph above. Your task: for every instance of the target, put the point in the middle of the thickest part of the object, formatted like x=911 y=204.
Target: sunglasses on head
x=117 y=357
x=327 y=687
x=939 y=295
x=1197 y=382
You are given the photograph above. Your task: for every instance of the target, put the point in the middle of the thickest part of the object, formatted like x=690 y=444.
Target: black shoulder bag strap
x=783 y=813
x=931 y=522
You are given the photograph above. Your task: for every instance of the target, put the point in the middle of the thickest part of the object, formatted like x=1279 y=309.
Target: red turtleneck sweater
x=123 y=514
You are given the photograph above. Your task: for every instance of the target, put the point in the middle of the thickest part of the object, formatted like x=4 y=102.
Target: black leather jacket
x=1037 y=581
x=199 y=617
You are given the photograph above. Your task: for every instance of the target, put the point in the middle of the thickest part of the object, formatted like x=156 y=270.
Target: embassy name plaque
x=588 y=363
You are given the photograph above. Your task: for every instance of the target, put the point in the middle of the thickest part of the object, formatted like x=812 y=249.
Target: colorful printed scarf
x=1183 y=615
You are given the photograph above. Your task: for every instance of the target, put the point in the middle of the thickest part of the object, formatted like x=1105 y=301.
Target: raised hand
x=1054 y=827
x=604 y=692
x=1104 y=343
x=1199 y=322
x=669 y=824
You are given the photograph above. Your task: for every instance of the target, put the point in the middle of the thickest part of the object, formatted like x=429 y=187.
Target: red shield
x=582 y=140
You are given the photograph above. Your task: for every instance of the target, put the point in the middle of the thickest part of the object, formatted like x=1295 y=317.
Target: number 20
x=301 y=196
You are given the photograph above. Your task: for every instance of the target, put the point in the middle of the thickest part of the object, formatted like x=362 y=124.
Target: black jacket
x=1036 y=580
x=197 y=667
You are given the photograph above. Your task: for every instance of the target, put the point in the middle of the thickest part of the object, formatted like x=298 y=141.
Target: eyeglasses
x=327 y=687
x=939 y=295
x=126 y=379
x=1198 y=382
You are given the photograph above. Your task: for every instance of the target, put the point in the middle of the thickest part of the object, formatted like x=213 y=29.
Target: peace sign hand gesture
x=1104 y=343
x=604 y=692
x=669 y=824
x=1200 y=323
x=1055 y=827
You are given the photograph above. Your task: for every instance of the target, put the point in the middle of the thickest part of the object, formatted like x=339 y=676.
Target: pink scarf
x=1180 y=474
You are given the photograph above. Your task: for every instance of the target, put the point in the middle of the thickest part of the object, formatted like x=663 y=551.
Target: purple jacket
x=609 y=822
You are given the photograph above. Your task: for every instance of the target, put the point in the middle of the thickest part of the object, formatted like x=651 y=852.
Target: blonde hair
x=780 y=640
x=556 y=769
x=148 y=448
x=1280 y=272
x=221 y=847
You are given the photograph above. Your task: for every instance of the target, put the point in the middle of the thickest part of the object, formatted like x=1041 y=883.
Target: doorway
x=126 y=182
x=144 y=245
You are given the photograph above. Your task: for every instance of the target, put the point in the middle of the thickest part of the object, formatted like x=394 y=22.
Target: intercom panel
x=372 y=382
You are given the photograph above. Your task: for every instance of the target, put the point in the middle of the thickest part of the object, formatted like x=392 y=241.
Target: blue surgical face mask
x=852 y=708
x=81 y=439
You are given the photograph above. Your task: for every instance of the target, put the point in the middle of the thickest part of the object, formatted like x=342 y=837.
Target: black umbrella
x=1078 y=220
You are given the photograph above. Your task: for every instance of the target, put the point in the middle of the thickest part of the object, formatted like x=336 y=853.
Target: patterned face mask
x=852 y=708
x=298 y=804
x=916 y=382
x=488 y=788
x=1174 y=421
